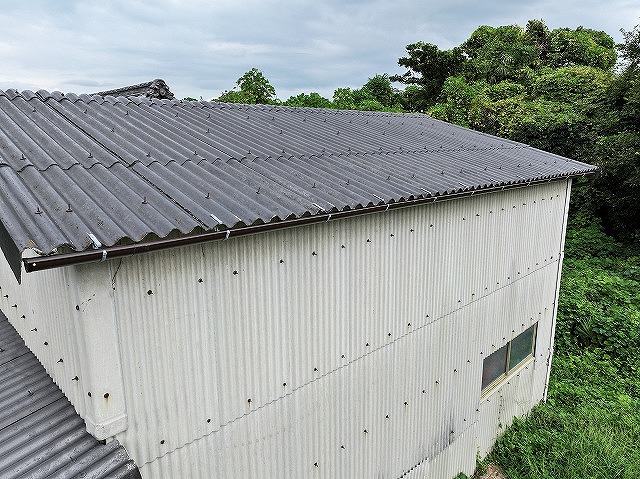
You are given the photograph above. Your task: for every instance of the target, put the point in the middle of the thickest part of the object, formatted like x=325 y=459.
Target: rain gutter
x=102 y=254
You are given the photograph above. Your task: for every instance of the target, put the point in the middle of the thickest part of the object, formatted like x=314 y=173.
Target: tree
x=618 y=156
x=502 y=53
x=630 y=49
x=253 y=88
x=428 y=68
x=312 y=100
x=582 y=46
x=625 y=91
x=379 y=88
x=343 y=99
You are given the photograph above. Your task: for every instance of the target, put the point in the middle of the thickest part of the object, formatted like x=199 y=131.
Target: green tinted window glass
x=494 y=366
x=521 y=347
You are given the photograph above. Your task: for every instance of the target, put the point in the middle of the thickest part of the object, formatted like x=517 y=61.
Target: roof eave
x=102 y=254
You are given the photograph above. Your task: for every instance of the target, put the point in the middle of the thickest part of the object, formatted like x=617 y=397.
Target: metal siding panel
x=40 y=309
x=272 y=307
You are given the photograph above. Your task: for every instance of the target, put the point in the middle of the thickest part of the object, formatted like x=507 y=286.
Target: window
x=498 y=364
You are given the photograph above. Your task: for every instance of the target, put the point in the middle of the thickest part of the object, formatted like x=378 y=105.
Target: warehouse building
x=261 y=291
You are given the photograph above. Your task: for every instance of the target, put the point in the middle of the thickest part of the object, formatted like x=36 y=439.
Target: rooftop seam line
x=80 y=129
x=172 y=200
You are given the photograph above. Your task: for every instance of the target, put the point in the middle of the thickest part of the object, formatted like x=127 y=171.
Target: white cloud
x=236 y=48
x=201 y=47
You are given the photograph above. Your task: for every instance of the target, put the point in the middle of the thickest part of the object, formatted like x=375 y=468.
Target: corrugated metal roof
x=41 y=436
x=132 y=169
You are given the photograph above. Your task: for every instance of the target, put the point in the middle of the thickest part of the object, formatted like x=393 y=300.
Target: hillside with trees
x=576 y=93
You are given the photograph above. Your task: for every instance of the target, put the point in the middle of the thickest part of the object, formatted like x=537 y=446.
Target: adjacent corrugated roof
x=132 y=169
x=41 y=436
x=153 y=89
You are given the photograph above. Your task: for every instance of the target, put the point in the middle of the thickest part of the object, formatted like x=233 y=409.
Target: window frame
x=510 y=371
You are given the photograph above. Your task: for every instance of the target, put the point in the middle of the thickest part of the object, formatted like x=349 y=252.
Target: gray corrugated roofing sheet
x=41 y=436
x=131 y=169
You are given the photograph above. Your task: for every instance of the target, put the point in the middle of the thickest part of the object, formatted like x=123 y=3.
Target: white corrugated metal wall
x=41 y=311
x=377 y=323
x=328 y=330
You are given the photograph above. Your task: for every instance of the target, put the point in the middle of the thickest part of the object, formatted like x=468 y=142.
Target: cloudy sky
x=201 y=47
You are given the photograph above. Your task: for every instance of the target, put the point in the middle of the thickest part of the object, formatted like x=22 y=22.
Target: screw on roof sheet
x=38 y=211
x=258 y=191
x=34 y=109
x=90 y=155
x=126 y=112
x=314 y=185
x=442 y=172
x=69 y=210
x=348 y=181
x=61 y=360
x=144 y=200
x=148 y=154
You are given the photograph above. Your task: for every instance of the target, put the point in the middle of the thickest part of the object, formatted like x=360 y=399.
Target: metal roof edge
x=102 y=254
x=11 y=252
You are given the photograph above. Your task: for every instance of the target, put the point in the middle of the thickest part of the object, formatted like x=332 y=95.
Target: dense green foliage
x=252 y=87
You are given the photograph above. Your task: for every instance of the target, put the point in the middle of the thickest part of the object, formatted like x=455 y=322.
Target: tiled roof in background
x=74 y=168
x=152 y=89
x=41 y=436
